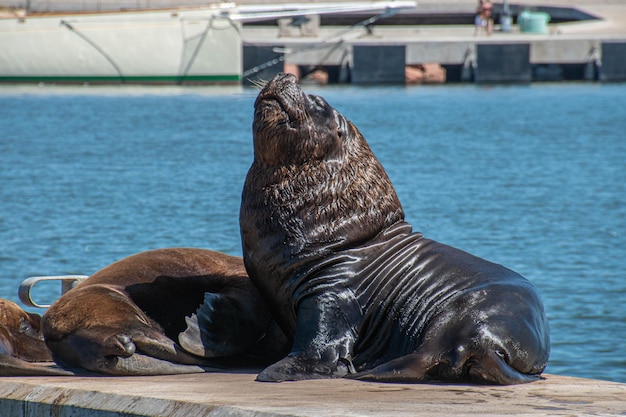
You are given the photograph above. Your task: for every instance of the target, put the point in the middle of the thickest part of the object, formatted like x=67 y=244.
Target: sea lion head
x=314 y=182
x=506 y=341
x=293 y=127
x=20 y=333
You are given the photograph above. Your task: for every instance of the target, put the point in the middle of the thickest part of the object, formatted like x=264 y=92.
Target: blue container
x=533 y=22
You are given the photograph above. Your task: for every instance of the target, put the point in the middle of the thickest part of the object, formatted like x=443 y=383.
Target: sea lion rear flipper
x=191 y=338
x=11 y=366
x=222 y=326
x=160 y=347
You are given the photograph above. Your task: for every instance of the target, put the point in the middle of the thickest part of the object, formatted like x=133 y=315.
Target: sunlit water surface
x=532 y=177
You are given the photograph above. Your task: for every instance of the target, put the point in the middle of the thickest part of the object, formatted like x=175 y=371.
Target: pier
x=237 y=394
x=432 y=43
x=584 y=41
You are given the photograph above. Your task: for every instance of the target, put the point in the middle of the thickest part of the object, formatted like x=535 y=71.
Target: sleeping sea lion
x=22 y=344
x=356 y=290
x=163 y=311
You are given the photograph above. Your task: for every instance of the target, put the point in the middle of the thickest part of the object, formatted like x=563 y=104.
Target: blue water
x=533 y=177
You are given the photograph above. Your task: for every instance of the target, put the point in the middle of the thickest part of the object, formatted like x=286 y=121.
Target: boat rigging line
x=336 y=39
x=96 y=47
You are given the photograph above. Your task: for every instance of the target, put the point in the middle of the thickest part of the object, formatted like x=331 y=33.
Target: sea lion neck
x=314 y=176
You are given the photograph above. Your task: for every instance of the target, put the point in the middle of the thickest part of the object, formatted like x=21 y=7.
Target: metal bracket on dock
x=593 y=64
x=67 y=283
x=469 y=64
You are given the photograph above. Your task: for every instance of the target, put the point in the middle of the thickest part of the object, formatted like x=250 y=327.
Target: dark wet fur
x=359 y=293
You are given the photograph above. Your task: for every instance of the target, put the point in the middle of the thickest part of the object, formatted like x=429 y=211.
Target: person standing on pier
x=484 y=18
x=487 y=15
x=479 y=23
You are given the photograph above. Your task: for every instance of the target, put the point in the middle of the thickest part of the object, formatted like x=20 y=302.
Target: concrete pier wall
x=613 y=61
x=237 y=394
x=503 y=63
x=571 y=49
x=380 y=61
x=376 y=64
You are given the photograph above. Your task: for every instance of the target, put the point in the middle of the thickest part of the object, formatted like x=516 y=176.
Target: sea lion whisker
x=258 y=82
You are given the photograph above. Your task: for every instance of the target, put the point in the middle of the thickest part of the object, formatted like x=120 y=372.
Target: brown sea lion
x=163 y=312
x=359 y=293
x=22 y=344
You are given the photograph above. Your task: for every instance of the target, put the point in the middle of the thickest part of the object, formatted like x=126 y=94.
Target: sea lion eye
x=319 y=102
x=27 y=329
x=502 y=354
x=341 y=126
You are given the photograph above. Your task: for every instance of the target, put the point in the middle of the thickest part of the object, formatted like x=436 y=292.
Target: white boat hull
x=190 y=46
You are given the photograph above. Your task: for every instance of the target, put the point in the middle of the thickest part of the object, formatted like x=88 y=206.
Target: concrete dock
x=591 y=46
x=584 y=40
x=237 y=394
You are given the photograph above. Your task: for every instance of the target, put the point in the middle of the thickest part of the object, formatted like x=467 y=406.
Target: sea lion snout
x=280 y=96
x=277 y=85
x=283 y=94
x=292 y=127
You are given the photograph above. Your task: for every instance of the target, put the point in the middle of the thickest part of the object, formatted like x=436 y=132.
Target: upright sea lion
x=22 y=344
x=163 y=312
x=359 y=293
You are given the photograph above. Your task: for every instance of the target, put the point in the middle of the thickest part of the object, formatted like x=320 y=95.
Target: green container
x=533 y=22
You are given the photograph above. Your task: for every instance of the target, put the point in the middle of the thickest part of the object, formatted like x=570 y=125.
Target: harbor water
x=532 y=177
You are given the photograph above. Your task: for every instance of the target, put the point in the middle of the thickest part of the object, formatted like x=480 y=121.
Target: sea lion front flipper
x=11 y=366
x=323 y=342
x=145 y=352
x=414 y=367
x=296 y=368
x=90 y=348
x=224 y=325
x=113 y=351
x=139 y=364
